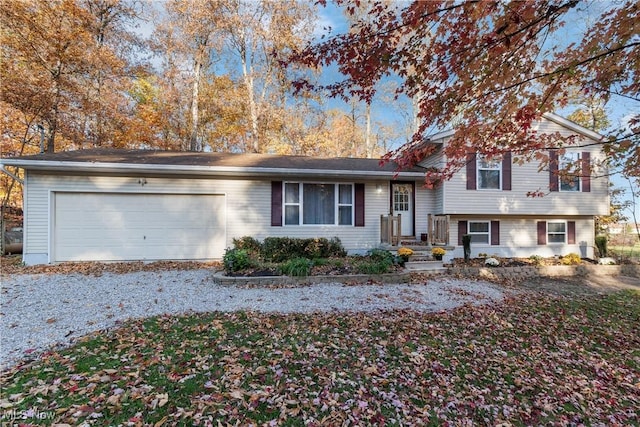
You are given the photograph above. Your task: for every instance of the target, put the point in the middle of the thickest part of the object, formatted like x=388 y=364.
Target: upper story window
x=568 y=164
x=318 y=204
x=489 y=173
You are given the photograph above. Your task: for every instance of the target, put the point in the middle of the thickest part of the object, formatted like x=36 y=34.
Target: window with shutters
x=556 y=232
x=489 y=173
x=318 y=204
x=569 y=165
x=479 y=231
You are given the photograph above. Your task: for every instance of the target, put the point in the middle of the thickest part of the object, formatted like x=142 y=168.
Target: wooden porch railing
x=438 y=229
x=390 y=229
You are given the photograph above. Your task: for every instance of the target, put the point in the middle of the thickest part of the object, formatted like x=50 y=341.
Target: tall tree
x=493 y=67
x=188 y=35
x=51 y=52
x=118 y=48
x=257 y=33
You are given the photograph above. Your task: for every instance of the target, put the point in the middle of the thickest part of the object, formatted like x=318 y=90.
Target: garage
x=135 y=226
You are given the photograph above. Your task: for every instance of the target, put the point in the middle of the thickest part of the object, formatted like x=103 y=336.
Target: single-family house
x=113 y=205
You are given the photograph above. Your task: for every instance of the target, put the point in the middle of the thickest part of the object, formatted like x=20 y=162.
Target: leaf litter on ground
x=530 y=360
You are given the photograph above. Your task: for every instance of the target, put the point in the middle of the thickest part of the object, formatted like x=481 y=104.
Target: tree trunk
x=367 y=136
x=194 y=144
x=253 y=107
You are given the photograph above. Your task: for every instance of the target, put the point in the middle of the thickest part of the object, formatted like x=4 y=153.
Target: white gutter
x=12 y=175
x=573 y=126
x=64 y=166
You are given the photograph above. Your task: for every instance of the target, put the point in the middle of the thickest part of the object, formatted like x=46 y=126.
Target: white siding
x=437 y=194
x=519 y=238
x=527 y=178
x=248 y=208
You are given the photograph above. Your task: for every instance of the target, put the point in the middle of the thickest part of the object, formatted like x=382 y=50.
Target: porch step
x=425 y=266
x=419 y=256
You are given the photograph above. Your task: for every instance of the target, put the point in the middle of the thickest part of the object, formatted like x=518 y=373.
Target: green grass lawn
x=532 y=360
x=626 y=252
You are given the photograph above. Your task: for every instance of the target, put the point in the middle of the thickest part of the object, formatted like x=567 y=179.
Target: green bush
x=236 y=260
x=298 y=267
x=601 y=244
x=279 y=249
x=249 y=244
x=335 y=248
x=377 y=262
x=381 y=255
x=368 y=266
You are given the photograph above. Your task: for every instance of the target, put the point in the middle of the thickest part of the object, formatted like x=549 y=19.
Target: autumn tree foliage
x=64 y=65
x=490 y=69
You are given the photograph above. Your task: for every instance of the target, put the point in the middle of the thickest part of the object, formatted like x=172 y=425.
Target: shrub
x=371 y=266
x=236 y=260
x=601 y=244
x=249 y=244
x=335 y=248
x=323 y=248
x=378 y=261
x=298 y=267
x=571 y=259
x=537 y=259
x=279 y=249
x=381 y=255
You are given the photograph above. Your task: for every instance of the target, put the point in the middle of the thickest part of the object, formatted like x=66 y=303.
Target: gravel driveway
x=40 y=310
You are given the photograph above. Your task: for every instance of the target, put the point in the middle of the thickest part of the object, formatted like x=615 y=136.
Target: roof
x=439 y=137
x=197 y=163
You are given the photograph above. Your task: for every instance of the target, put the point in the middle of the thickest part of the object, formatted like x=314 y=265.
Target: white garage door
x=115 y=227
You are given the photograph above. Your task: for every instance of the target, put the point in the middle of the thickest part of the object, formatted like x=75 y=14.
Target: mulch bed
x=13 y=265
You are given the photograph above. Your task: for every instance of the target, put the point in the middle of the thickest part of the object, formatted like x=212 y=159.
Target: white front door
x=402 y=204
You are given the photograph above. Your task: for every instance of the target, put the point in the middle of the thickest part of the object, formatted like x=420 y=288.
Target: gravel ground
x=42 y=310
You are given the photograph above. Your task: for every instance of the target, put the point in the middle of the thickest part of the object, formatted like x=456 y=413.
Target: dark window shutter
x=495 y=232
x=506 y=171
x=553 y=170
x=359 y=204
x=571 y=232
x=471 y=171
x=586 y=171
x=542 y=232
x=462 y=230
x=276 y=203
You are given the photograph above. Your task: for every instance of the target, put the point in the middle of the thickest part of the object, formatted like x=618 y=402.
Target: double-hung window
x=489 y=173
x=318 y=204
x=556 y=231
x=569 y=163
x=479 y=231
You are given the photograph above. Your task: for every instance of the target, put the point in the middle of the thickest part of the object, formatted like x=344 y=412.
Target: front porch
x=422 y=260
x=436 y=234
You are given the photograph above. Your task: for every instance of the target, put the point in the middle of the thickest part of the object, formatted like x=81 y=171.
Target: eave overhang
x=69 y=167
